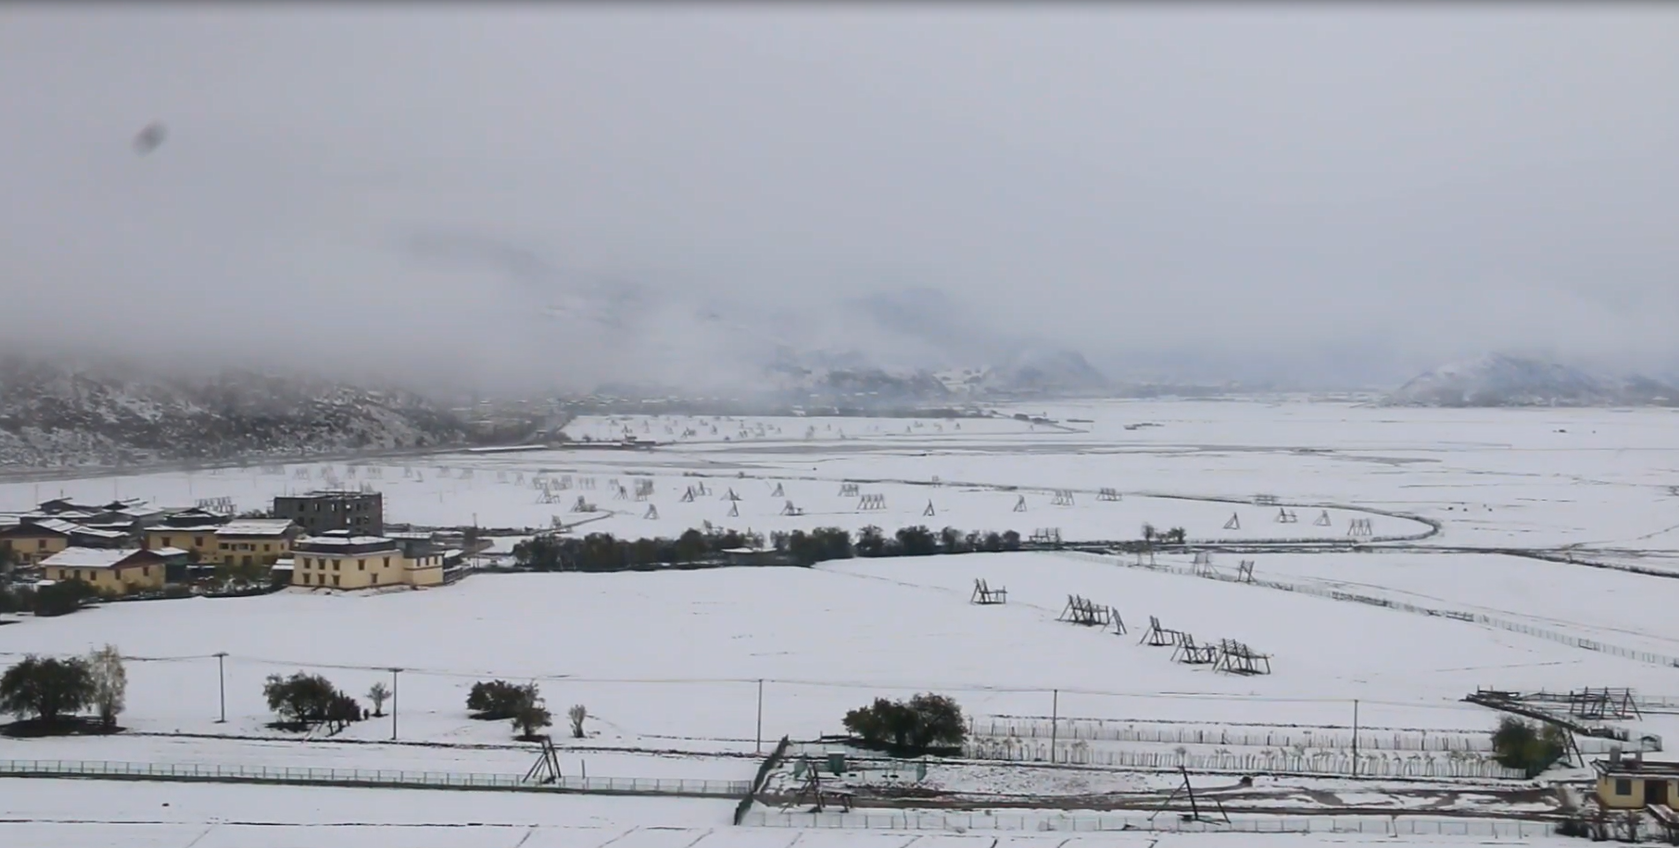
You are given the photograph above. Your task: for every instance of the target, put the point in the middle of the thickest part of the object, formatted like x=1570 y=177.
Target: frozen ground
x=672 y=662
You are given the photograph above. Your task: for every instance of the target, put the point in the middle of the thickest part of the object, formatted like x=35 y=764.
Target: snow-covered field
x=675 y=662
x=60 y=814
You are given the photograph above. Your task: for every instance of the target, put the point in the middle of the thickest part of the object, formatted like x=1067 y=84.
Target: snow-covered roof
x=59 y=525
x=344 y=541
x=88 y=557
x=178 y=528
x=255 y=527
x=169 y=552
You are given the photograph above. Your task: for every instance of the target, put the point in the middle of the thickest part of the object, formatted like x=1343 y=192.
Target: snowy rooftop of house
x=59 y=525
x=418 y=537
x=88 y=557
x=749 y=550
x=255 y=527
x=341 y=538
x=170 y=552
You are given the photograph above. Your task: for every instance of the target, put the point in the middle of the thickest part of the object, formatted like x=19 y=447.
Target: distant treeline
x=604 y=552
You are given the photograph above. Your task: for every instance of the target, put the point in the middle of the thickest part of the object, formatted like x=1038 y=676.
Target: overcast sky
x=1353 y=189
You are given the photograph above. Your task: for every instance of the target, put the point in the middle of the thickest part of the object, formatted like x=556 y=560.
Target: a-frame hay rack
x=1237 y=658
x=1160 y=637
x=546 y=769
x=984 y=594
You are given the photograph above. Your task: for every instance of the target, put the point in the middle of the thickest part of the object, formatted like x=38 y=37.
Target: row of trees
x=499 y=700
x=924 y=723
x=49 y=691
x=604 y=552
x=305 y=700
x=60 y=598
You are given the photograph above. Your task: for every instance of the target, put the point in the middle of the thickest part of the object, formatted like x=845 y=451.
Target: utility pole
x=1054 y=720
x=760 y=736
x=221 y=685
x=393 y=703
x=1355 y=737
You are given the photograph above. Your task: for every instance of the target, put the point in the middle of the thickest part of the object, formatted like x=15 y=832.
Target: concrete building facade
x=362 y=513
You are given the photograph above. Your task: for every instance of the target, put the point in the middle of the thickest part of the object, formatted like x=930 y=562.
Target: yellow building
x=36 y=539
x=338 y=560
x=253 y=541
x=192 y=530
x=1627 y=783
x=117 y=571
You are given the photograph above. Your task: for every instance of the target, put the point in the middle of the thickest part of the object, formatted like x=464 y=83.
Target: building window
x=335 y=567
x=145 y=571
x=305 y=579
x=1623 y=786
x=387 y=562
x=335 y=580
x=40 y=544
x=166 y=541
x=361 y=565
x=375 y=579
x=198 y=541
x=265 y=547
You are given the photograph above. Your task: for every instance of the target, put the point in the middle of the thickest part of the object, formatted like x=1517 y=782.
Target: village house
x=35 y=538
x=116 y=571
x=192 y=530
x=254 y=541
x=341 y=560
x=1628 y=783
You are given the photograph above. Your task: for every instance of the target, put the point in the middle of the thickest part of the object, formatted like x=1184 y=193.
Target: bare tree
x=110 y=683
x=577 y=714
x=379 y=694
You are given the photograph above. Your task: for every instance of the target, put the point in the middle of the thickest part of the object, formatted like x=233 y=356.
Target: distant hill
x=1503 y=380
x=54 y=415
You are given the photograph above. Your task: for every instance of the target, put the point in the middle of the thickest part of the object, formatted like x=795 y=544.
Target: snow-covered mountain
x=60 y=415
x=1503 y=380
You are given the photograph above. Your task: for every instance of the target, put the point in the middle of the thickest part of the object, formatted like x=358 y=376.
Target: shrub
x=1524 y=745
x=497 y=699
x=62 y=598
x=578 y=714
x=46 y=689
x=923 y=722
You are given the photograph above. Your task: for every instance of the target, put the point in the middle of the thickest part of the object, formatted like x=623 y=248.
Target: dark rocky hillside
x=57 y=416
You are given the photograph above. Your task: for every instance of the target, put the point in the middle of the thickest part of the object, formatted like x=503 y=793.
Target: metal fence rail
x=1650 y=657
x=367 y=777
x=1336 y=762
x=1004 y=821
x=1115 y=730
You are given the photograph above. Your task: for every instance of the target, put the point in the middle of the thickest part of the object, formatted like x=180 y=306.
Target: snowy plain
x=672 y=662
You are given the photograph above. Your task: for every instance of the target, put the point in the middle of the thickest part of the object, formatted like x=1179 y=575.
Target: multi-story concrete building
x=361 y=513
x=116 y=571
x=341 y=560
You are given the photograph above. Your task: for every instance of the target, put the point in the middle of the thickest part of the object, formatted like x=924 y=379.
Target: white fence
x=1623 y=652
x=365 y=777
x=1119 y=730
x=1337 y=763
x=1004 y=821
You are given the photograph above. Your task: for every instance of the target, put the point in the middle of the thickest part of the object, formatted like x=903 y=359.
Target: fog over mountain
x=524 y=197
